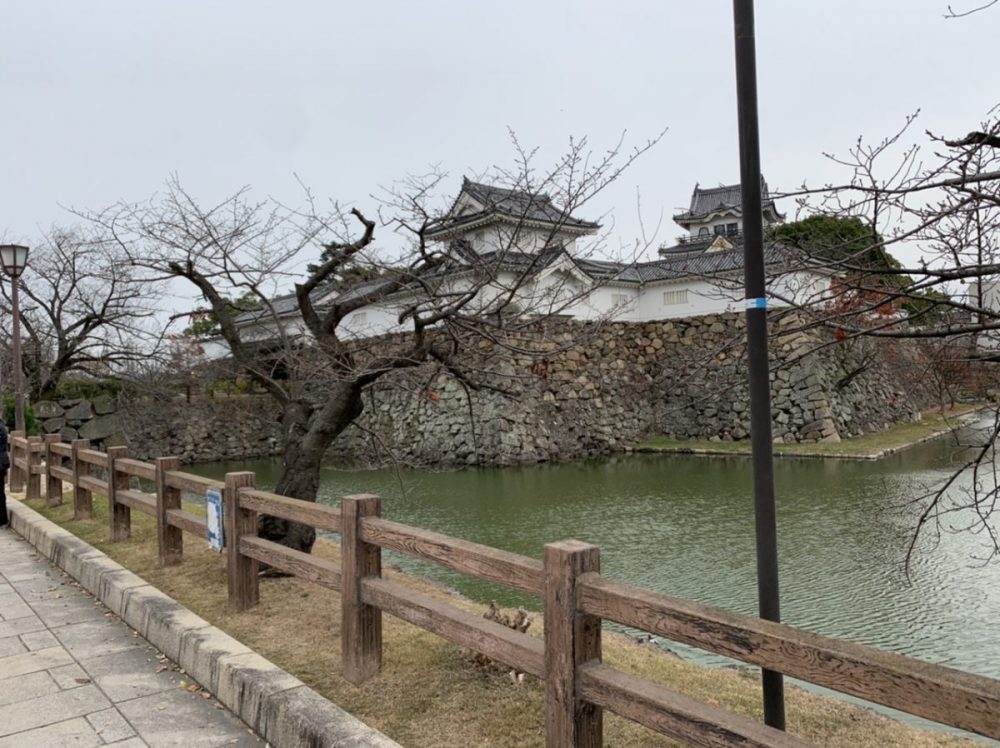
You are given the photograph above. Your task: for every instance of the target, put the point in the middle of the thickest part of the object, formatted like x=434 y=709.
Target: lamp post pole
x=14 y=258
x=18 y=372
x=756 y=319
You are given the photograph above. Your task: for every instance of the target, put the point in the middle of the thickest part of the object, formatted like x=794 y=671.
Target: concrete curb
x=277 y=705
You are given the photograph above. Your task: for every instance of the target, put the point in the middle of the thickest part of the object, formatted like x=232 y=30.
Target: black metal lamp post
x=14 y=258
x=756 y=317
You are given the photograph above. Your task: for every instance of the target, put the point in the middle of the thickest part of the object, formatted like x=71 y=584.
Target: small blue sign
x=213 y=505
x=758 y=303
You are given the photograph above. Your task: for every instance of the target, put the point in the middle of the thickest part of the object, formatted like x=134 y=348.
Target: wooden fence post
x=170 y=539
x=83 y=500
x=53 y=485
x=360 y=624
x=571 y=639
x=119 y=515
x=34 y=478
x=16 y=474
x=242 y=571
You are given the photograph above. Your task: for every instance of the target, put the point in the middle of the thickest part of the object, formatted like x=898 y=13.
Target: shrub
x=31 y=425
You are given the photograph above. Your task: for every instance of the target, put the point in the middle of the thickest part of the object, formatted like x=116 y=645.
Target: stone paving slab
x=75 y=733
x=273 y=702
x=72 y=674
x=23 y=687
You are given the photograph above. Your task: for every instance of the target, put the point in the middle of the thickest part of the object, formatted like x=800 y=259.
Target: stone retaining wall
x=589 y=389
x=627 y=381
x=236 y=428
x=80 y=419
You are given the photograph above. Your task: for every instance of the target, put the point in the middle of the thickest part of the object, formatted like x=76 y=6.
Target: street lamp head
x=14 y=258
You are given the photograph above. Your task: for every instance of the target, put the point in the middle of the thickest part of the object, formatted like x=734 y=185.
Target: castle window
x=672 y=298
x=703 y=231
x=620 y=299
x=720 y=229
x=360 y=318
x=732 y=228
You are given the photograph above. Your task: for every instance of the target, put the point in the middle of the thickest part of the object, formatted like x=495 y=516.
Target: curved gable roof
x=514 y=205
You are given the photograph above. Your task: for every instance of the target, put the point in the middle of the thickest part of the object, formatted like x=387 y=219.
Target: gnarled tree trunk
x=309 y=430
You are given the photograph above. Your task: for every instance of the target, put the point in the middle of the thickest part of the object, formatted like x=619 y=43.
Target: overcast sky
x=102 y=100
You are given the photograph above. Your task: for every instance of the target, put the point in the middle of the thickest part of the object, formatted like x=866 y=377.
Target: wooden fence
x=575 y=597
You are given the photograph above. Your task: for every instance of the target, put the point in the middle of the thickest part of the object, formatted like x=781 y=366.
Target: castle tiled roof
x=690 y=260
x=705 y=201
x=516 y=205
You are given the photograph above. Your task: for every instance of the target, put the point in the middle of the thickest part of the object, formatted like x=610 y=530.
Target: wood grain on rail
x=62 y=449
x=91 y=483
x=480 y=561
x=320 y=516
x=942 y=694
x=520 y=651
x=61 y=473
x=144 y=470
x=190 y=482
x=187 y=521
x=144 y=502
x=302 y=565
x=93 y=457
x=674 y=714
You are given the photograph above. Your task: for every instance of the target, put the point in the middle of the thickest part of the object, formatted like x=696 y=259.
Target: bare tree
x=307 y=349
x=937 y=201
x=84 y=309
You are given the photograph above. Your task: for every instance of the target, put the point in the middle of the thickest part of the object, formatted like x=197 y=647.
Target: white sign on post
x=213 y=504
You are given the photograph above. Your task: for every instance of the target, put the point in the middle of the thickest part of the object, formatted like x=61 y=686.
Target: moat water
x=683 y=525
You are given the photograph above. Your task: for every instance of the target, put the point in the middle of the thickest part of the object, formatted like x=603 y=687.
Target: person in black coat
x=4 y=467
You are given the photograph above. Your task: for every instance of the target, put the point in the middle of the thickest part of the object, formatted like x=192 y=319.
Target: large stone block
x=48 y=409
x=100 y=428
x=53 y=425
x=82 y=411
x=104 y=405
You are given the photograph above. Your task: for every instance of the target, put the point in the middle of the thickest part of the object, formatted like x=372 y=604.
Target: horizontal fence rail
x=308 y=513
x=939 y=693
x=480 y=561
x=93 y=457
x=302 y=565
x=193 y=483
x=498 y=642
x=575 y=598
x=144 y=502
x=143 y=470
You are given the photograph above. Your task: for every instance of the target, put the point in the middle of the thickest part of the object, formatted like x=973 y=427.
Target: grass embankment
x=430 y=692
x=933 y=423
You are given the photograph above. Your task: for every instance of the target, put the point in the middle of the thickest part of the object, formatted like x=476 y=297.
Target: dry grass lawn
x=430 y=693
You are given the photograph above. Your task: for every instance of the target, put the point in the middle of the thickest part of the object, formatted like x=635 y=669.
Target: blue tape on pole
x=756 y=303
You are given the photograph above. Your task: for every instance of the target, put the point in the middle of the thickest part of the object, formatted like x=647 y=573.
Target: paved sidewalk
x=72 y=674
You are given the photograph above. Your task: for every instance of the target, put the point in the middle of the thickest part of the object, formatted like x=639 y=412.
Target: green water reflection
x=684 y=526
